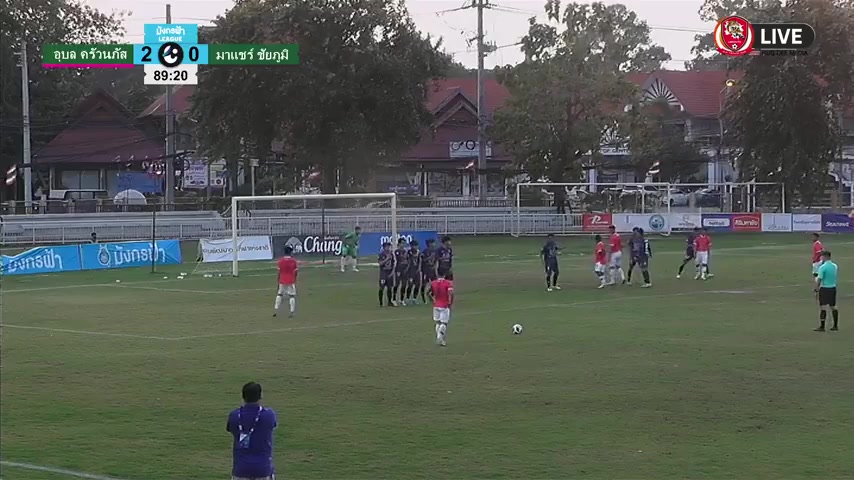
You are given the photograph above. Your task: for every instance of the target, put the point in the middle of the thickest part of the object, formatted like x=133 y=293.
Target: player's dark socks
x=835 y=319
x=682 y=267
x=389 y=296
x=629 y=274
x=645 y=276
x=380 y=295
x=548 y=281
x=423 y=294
x=554 y=279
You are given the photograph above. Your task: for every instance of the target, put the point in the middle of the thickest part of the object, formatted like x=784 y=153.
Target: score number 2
x=192 y=54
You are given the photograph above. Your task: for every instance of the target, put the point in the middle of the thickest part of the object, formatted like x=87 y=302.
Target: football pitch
x=688 y=379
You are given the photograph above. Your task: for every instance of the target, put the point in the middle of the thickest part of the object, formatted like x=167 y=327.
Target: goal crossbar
x=235 y=201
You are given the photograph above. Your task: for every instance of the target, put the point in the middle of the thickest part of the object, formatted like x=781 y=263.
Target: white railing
x=491 y=224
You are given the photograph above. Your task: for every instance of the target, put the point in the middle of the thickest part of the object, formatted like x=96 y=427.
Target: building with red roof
x=442 y=163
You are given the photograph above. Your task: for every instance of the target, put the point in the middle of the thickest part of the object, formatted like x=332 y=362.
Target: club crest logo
x=734 y=36
x=657 y=223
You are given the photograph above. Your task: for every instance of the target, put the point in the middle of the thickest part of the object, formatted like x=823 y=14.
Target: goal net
x=541 y=208
x=314 y=226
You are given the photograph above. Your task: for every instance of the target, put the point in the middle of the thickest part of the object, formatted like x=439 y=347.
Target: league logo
x=657 y=223
x=734 y=36
x=170 y=55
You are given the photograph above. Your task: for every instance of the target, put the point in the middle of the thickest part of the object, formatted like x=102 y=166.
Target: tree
x=706 y=56
x=656 y=135
x=786 y=113
x=786 y=132
x=357 y=97
x=52 y=92
x=571 y=87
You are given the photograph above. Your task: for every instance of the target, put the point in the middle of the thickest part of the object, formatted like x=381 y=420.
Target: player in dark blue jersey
x=401 y=271
x=549 y=256
x=690 y=252
x=445 y=256
x=386 y=262
x=641 y=253
x=428 y=268
x=413 y=281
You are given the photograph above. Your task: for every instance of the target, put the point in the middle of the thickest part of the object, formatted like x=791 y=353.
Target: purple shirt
x=257 y=460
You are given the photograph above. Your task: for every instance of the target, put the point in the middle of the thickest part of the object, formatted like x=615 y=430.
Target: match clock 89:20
x=170 y=75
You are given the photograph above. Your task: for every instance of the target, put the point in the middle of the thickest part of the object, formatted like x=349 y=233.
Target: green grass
x=689 y=379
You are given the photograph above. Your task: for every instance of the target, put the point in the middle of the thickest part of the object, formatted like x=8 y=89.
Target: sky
x=674 y=23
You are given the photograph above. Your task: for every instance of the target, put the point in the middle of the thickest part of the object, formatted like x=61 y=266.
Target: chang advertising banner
x=370 y=243
x=100 y=256
x=776 y=222
x=42 y=260
x=717 y=222
x=214 y=250
x=837 y=223
x=806 y=222
x=685 y=221
x=650 y=223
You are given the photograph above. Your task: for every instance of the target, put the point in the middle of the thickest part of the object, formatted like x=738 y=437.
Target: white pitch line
x=396 y=319
x=59 y=471
x=84 y=332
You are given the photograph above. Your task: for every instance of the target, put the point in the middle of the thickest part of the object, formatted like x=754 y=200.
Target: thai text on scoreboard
x=170 y=54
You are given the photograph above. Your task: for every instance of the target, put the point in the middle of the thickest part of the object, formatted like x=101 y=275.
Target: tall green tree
x=52 y=92
x=357 y=97
x=785 y=116
x=571 y=86
x=656 y=134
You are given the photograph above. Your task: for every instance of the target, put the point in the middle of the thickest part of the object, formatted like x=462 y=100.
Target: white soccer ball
x=517 y=329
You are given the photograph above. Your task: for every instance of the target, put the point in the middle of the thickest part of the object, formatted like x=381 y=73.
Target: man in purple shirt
x=252 y=426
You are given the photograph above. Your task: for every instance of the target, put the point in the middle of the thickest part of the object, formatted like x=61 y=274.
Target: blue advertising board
x=717 y=222
x=837 y=223
x=100 y=256
x=371 y=243
x=42 y=260
x=139 y=181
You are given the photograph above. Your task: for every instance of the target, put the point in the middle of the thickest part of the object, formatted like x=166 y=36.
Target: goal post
x=311 y=210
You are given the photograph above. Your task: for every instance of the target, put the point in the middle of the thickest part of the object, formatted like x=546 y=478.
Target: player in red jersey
x=288 y=270
x=599 y=259
x=817 y=248
x=703 y=245
x=442 y=290
x=615 y=265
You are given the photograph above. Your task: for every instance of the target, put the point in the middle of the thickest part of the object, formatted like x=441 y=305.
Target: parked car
x=679 y=197
x=708 y=197
x=646 y=190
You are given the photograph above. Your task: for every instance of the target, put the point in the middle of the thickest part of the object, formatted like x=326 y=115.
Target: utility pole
x=481 y=105
x=169 y=195
x=25 y=111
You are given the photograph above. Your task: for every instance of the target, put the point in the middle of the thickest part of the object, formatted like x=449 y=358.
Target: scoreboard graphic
x=171 y=54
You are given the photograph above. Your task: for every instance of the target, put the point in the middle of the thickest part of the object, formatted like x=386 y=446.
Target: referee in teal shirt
x=826 y=287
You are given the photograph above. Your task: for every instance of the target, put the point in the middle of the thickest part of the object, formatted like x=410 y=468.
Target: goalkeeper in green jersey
x=350 y=249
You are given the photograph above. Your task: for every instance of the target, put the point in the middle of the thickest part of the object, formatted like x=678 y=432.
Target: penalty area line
x=58 y=471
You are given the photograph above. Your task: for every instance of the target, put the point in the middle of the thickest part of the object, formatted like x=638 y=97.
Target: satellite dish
x=130 y=197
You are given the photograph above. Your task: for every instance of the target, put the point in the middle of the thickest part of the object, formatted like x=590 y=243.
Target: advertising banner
x=717 y=222
x=100 y=256
x=650 y=223
x=776 y=222
x=837 y=223
x=746 y=222
x=685 y=221
x=806 y=222
x=596 y=222
x=214 y=250
x=42 y=260
x=370 y=243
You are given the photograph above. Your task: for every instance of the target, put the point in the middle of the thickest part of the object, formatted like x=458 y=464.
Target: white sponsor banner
x=222 y=249
x=806 y=222
x=685 y=221
x=777 y=222
x=650 y=223
x=468 y=149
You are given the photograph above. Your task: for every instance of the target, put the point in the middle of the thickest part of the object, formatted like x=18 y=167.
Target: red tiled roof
x=442 y=89
x=103 y=131
x=699 y=92
x=180 y=102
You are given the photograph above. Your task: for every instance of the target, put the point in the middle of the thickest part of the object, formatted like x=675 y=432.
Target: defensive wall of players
x=100 y=256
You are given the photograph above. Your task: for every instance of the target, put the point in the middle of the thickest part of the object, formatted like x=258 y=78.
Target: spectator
x=252 y=427
x=94 y=237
